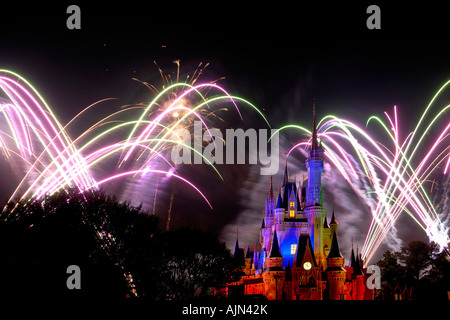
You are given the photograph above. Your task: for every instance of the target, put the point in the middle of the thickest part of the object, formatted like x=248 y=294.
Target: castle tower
x=274 y=275
x=314 y=164
x=314 y=210
x=335 y=271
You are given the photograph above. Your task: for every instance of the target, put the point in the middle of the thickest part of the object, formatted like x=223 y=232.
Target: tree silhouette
x=419 y=267
x=194 y=263
x=417 y=258
x=41 y=239
x=120 y=250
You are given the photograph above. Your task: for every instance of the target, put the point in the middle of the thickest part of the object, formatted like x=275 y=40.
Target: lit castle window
x=293 y=248
x=292 y=210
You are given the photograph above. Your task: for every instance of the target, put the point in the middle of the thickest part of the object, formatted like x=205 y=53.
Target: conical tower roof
x=236 y=248
x=334 y=251
x=238 y=252
x=325 y=223
x=249 y=254
x=275 y=250
x=352 y=259
x=279 y=202
x=333 y=219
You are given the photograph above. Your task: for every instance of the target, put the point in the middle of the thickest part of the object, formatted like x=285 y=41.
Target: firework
x=138 y=149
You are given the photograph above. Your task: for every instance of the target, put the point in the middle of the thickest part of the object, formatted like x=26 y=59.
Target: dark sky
x=279 y=56
x=269 y=49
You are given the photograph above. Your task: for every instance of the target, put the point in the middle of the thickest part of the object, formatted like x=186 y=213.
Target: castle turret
x=335 y=271
x=274 y=275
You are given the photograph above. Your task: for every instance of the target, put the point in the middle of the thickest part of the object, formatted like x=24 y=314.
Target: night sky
x=278 y=56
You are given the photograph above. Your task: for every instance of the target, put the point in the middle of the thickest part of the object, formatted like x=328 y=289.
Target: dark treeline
x=120 y=249
x=418 y=271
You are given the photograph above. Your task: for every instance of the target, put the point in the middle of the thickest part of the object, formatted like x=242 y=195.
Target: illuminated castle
x=298 y=256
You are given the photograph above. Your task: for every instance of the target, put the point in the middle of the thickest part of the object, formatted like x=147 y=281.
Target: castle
x=298 y=256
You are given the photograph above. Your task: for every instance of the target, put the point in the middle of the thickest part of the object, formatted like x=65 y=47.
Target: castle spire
x=236 y=248
x=333 y=219
x=325 y=223
x=352 y=257
x=271 y=189
x=314 y=144
x=238 y=252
